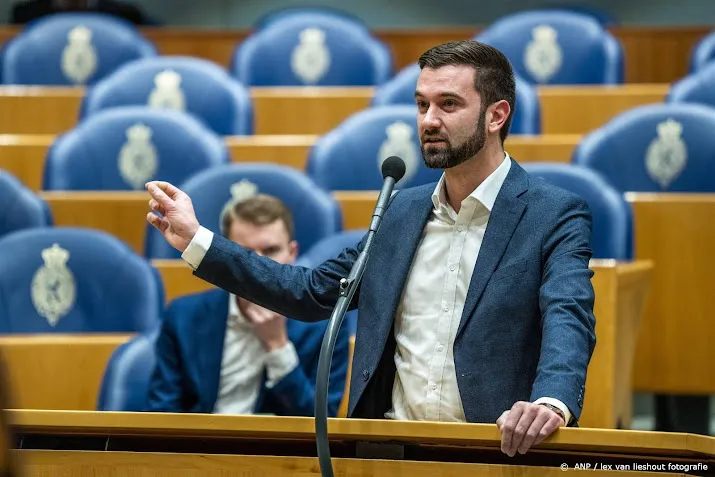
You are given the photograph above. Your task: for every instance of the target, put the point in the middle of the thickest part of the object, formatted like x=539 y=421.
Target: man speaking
x=476 y=304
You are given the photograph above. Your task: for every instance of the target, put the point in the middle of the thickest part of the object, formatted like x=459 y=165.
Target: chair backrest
x=122 y=148
x=557 y=47
x=702 y=53
x=654 y=148
x=21 y=208
x=316 y=213
x=329 y=13
x=604 y=17
x=612 y=230
x=125 y=384
x=312 y=50
x=66 y=49
x=526 y=118
x=694 y=88
x=350 y=156
x=331 y=247
x=73 y=280
x=192 y=85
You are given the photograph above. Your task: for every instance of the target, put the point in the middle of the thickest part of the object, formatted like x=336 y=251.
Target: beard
x=449 y=156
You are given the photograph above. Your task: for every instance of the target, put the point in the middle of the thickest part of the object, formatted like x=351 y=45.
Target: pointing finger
x=160 y=196
x=168 y=188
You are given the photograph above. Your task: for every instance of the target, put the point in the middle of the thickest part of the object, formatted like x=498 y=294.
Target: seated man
x=256 y=361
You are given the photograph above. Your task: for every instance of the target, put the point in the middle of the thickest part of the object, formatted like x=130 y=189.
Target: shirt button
x=461 y=228
x=446 y=308
x=453 y=267
x=440 y=348
x=433 y=386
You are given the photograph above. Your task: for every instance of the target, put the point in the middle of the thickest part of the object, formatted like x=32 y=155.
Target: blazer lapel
x=505 y=216
x=394 y=270
x=210 y=336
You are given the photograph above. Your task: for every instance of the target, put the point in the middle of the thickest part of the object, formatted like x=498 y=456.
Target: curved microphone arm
x=393 y=169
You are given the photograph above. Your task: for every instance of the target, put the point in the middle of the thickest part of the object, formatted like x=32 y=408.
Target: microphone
x=393 y=169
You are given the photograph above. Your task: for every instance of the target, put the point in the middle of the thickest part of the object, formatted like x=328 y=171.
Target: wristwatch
x=556 y=410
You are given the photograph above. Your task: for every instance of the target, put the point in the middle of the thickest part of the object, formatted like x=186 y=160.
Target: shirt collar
x=486 y=193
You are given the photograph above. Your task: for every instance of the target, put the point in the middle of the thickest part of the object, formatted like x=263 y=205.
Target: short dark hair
x=494 y=77
x=261 y=209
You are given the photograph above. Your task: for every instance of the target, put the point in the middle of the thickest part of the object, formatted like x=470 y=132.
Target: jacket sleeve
x=295 y=393
x=566 y=299
x=291 y=290
x=165 y=387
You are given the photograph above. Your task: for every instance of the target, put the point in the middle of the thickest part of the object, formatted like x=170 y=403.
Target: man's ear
x=500 y=113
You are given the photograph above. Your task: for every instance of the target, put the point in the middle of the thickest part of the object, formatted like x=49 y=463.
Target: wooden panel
x=178 y=279
x=23 y=155
x=191 y=425
x=133 y=464
x=578 y=110
x=675 y=352
x=57 y=371
x=652 y=54
x=39 y=110
x=565 y=110
x=658 y=54
x=306 y=110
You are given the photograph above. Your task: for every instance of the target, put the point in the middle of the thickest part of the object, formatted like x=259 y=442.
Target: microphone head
x=393 y=167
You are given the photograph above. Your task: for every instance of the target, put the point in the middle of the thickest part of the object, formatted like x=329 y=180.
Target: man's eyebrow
x=447 y=94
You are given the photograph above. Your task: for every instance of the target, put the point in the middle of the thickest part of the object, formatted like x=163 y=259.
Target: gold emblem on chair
x=79 y=58
x=400 y=143
x=138 y=159
x=167 y=92
x=667 y=154
x=311 y=59
x=240 y=191
x=53 y=285
x=543 y=55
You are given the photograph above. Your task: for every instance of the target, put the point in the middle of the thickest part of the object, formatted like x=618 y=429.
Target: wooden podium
x=85 y=443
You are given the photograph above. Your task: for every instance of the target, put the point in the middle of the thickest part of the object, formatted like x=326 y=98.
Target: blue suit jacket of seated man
x=527 y=330
x=189 y=350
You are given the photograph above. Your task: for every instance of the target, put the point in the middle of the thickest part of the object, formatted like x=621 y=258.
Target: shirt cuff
x=199 y=245
x=557 y=403
x=280 y=363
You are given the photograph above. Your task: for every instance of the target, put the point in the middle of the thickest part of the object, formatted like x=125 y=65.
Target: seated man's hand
x=526 y=424
x=270 y=326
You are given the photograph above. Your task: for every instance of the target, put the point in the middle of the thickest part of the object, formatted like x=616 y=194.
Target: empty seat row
x=309 y=48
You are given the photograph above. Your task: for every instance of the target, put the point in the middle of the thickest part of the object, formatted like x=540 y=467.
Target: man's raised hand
x=177 y=223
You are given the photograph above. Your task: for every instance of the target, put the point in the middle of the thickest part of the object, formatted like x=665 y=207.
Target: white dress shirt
x=244 y=359
x=427 y=318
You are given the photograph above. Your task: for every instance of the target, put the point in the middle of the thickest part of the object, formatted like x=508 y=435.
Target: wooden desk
x=289 y=110
x=131 y=444
x=23 y=155
x=57 y=371
x=675 y=353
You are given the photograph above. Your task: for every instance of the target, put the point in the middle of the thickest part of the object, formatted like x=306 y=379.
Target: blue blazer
x=527 y=330
x=189 y=350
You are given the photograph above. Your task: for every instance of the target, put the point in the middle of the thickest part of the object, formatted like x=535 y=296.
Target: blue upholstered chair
x=67 y=49
x=21 y=208
x=654 y=148
x=74 y=280
x=122 y=148
x=557 y=47
x=192 y=85
x=312 y=50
